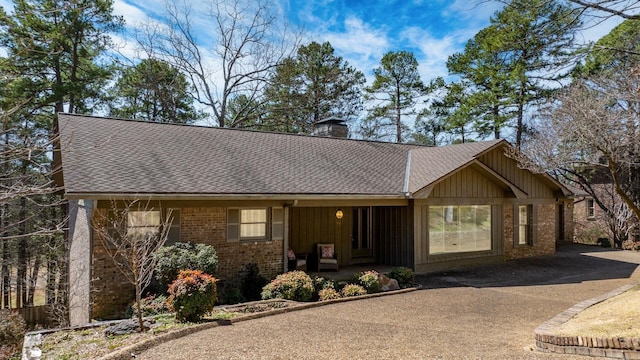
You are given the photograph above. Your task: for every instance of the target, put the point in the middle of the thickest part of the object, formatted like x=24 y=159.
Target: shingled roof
x=102 y=156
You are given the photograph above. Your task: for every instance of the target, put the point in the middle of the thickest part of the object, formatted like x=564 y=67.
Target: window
x=591 y=210
x=524 y=225
x=455 y=229
x=255 y=224
x=143 y=223
x=174 y=229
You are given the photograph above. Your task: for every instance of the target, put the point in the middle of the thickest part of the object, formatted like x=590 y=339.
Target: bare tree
x=606 y=8
x=248 y=42
x=131 y=232
x=590 y=136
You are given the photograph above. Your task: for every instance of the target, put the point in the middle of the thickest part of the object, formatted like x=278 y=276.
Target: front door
x=361 y=233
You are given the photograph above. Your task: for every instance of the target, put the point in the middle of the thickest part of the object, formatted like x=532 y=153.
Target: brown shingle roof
x=110 y=156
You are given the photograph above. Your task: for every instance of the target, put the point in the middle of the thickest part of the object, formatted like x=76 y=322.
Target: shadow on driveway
x=572 y=263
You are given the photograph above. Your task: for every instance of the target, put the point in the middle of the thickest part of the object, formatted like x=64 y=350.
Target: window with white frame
x=142 y=223
x=524 y=225
x=591 y=208
x=255 y=224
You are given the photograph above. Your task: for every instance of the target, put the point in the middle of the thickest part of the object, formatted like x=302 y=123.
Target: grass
x=615 y=317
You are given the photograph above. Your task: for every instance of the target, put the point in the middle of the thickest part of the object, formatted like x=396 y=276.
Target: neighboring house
x=253 y=195
x=592 y=222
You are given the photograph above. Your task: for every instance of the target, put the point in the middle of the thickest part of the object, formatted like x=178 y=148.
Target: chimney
x=331 y=127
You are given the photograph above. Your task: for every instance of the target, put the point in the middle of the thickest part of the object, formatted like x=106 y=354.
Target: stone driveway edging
x=613 y=348
x=126 y=353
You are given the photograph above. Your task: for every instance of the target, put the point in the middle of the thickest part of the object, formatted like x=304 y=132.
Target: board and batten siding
x=393 y=235
x=466 y=183
x=508 y=168
x=309 y=226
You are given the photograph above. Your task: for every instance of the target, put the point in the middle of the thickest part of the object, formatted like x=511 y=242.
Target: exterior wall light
x=339 y=214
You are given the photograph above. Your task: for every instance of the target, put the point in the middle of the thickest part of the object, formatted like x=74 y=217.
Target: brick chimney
x=331 y=127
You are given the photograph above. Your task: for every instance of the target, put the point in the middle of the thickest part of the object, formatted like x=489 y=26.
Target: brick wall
x=111 y=294
x=589 y=229
x=110 y=291
x=209 y=226
x=544 y=242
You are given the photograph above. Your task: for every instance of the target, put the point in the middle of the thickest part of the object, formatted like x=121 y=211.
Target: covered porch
x=363 y=236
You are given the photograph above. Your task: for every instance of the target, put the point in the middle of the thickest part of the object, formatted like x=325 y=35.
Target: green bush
x=184 y=256
x=252 y=282
x=294 y=285
x=403 y=275
x=12 y=329
x=192 y=295
x=368 y=280
x=232 y=296
x=353 y=290
x=151 y=305
x=328 y=294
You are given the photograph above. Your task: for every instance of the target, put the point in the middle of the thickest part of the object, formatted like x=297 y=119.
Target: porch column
x=79 y=236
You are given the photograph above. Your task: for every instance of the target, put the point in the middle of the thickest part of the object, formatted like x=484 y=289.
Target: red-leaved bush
x=192 y=295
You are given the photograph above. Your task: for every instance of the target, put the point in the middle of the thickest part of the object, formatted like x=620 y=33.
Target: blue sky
x=362 y=31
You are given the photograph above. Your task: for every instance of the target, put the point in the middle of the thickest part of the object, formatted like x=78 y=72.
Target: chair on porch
x=327 y=257
x=297 y=261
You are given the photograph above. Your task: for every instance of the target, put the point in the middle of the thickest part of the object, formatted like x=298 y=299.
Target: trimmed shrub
x=353 y=290
x=630 y=245
x=12 y=329
x=294 y=285
x=368 y=280
x=253 y=282
x=151 y=305
x=192 y=295
x=232 y=296
x=184 y=256
x=328 y=294
x=403 y=275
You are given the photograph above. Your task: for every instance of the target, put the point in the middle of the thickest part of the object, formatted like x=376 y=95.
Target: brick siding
x=544 y=242
x=111 y=293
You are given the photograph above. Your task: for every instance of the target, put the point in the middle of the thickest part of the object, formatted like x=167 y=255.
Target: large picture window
x=459 y=228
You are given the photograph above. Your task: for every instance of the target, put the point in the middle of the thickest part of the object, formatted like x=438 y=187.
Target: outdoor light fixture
x=339 y=214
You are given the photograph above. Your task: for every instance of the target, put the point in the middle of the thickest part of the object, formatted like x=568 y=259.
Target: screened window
x=455 y=229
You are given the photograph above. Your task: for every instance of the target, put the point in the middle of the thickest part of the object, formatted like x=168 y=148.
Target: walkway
x=483 y=313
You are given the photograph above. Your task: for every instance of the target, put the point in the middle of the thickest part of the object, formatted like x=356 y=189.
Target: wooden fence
x=36 y=315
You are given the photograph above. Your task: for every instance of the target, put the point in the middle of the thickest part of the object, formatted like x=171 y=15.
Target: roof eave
x=231 y=197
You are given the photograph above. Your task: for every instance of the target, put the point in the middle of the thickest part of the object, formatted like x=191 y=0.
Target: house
x=253 y=195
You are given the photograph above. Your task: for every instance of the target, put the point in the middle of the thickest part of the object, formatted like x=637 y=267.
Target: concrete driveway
x=481 y=313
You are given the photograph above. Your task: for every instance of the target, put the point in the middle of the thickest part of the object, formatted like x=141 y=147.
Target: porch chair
x=327 y=257
x=296 y=261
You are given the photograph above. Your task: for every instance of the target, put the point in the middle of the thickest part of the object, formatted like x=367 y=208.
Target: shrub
x=252 y=282
x=232 y=296
x=193 y=294
x=353 y=290
x=403 y=275
x=630 y=245
x=294 y=285
x=328 y=294
x=604 y=242
x=151 y=305
x=12 y=329
x=184 y=256
x=368 y=280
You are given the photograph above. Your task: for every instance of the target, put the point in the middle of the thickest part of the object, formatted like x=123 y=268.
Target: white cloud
x=133 y=15
x=360 y=44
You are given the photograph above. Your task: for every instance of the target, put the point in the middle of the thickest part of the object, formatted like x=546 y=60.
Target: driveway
x=482 y=313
